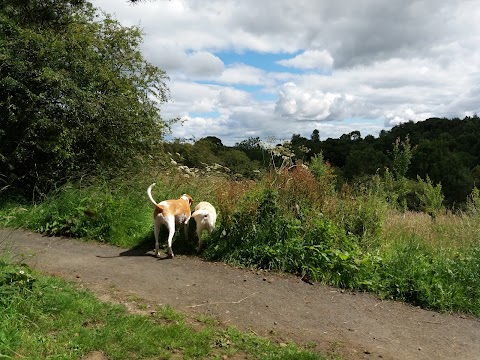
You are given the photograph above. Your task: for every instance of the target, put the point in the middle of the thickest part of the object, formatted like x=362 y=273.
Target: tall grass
x=431 y=262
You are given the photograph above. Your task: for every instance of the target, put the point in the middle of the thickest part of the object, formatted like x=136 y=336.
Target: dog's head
x=188 y=198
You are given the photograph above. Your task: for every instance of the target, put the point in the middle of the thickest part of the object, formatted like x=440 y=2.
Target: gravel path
x=357 y=325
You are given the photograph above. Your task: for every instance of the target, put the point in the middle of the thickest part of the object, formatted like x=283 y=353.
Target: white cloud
x=406 y=115
x=232 y=97
x=394 y=61
x=300 y=104
x=241 y=74
x=203 y=64
x=310 y=59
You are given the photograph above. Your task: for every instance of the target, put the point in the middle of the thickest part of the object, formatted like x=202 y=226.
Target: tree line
x=447 y=151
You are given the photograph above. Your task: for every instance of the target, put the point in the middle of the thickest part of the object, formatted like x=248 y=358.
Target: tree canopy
x=76 y=95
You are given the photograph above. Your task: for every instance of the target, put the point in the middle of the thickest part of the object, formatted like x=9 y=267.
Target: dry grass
x=448 y=231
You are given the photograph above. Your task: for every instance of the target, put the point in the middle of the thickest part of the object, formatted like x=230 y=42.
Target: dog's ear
x=188 y=197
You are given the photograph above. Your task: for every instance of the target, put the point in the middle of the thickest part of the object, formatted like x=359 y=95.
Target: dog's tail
x=200 y=214
x=149 y=193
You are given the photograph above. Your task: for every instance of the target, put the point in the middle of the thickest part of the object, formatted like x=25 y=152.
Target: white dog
x=205 y=216
x=170 y=213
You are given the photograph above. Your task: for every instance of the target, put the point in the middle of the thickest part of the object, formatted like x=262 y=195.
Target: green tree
x=402 y=156
x=430 y=196
x=254 y=149
x=364 y=161
x=76 y=95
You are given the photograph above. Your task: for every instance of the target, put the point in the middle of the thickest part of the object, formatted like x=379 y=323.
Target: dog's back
x=205 y=216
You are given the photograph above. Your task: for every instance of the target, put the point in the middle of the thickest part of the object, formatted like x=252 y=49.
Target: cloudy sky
x=273 y=68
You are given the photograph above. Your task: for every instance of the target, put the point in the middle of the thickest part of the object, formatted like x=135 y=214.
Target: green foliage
x=407 y=194
x=361 y=213
x=431 y=197
x=365 y=161
x=315 y=137
x=265 y=236
x=428 y=148
x=439 y=280
x=100 y=212
x=319 y=168
x=402 y=157
x=210 y=152
x=473 y=202
x=284 y=223
x=14 y=280
x=76 y=96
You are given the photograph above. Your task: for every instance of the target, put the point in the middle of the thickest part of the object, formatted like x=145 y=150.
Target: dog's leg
x=171 y=232
x=185 y=228
x=199 y=235
x=157 y=226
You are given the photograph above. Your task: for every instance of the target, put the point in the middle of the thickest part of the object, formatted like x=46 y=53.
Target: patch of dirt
x=95 y=355
x=356 y=325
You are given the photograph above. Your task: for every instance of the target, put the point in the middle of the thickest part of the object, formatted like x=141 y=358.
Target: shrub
x=361 y=211
x=430 y=197
x=268 y=237
x=323 y=174
x=473 y=203
x=100 y=211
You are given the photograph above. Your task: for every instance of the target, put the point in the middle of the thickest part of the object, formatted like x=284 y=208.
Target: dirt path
x=357 y=325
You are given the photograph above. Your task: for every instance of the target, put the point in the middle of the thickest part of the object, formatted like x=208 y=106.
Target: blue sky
x=264 y=61
x=276 y=68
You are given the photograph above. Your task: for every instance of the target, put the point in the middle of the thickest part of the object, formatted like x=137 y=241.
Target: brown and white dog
x=170 y=213
x=205 y=216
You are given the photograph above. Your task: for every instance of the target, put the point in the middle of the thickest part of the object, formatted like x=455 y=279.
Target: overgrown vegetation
x=291 y=220
x=44 y=317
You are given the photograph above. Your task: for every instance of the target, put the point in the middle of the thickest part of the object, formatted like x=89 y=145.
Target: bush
x=101 y=211
x=430 y=197
x=351 y=239
x=268 y=237
x=361 y=211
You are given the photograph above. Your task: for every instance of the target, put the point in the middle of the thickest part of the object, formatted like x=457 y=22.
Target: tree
x=254 y=149
x=76 y=95
x=402 y=157
x=364 y=161
x=315 y=136
x=213 y=140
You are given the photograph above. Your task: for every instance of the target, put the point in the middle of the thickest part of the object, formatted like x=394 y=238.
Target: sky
x=274 y=68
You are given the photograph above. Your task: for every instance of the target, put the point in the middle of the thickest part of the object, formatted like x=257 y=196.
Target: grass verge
x=45 y=317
